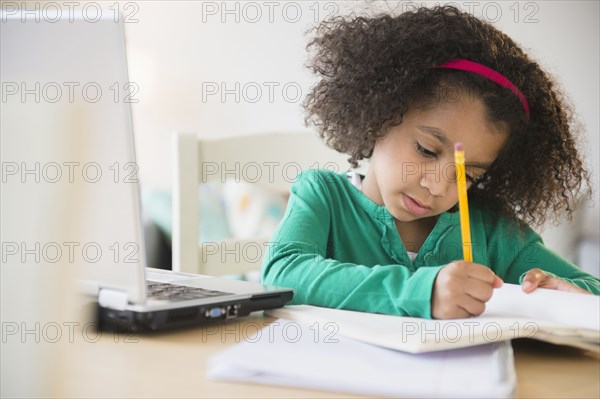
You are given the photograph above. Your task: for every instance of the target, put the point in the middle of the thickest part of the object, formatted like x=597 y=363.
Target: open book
x=558 y=317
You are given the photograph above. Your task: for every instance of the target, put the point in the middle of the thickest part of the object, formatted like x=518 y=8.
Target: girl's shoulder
x=318 y=179
x=331 y=187
x=495 y=222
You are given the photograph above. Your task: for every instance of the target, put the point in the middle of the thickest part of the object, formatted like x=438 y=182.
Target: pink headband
x=470 y=66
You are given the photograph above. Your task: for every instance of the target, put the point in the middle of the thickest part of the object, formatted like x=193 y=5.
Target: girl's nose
x=435 y=184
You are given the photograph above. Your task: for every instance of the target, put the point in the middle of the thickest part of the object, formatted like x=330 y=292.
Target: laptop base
x=130 y=321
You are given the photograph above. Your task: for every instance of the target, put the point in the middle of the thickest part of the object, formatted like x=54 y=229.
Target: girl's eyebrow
x=440 y=136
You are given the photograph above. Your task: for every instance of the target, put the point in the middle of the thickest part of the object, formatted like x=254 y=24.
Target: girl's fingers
x=497 y=283
x=537 y=278
x=480 y=272
x=533 y=279
x=479 y=290
x=561 y=285
x=471 y=306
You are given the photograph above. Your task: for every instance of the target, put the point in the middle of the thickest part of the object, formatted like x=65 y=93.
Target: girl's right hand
x=461 y=290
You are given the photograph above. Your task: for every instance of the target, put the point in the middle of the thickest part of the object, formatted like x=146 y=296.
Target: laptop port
x=232 y=311
x=214 y=313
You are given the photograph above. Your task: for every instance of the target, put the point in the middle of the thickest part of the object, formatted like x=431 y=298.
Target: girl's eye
x=425 y=151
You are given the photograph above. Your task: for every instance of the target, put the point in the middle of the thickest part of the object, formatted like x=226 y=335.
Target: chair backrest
x=272 y=160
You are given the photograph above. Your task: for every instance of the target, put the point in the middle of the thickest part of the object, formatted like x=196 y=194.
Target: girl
x=401 y=91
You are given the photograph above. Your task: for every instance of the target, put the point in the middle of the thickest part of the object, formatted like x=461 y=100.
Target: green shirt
x=337 y=248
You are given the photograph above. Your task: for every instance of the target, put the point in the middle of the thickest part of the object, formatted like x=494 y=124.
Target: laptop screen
x=70 y=192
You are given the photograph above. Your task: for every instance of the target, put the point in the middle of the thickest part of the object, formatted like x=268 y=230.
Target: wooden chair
x=270 y=160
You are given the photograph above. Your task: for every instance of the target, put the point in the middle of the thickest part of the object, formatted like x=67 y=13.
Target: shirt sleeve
x=297 y=259
x=532 y=253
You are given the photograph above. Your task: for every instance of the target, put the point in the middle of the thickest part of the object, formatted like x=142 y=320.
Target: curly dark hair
x=373 y=69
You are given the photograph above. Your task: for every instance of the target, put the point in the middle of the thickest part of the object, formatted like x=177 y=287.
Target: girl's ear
x=478 y=180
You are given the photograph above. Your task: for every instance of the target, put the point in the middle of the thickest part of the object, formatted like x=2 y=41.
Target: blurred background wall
x=235 y=67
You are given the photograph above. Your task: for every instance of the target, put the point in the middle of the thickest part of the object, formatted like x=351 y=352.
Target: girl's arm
x=535 y=255
x=297 y=259
x=389 y=289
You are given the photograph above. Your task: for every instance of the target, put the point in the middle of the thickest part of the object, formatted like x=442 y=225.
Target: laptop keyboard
x=175 y=292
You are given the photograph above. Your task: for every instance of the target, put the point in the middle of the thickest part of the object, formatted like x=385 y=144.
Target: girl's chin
x=403 y=215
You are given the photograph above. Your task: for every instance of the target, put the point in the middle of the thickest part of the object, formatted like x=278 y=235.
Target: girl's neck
x=414 y=233
x=369 y=187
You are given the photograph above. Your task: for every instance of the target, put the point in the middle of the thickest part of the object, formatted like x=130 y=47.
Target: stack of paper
x=316 y=356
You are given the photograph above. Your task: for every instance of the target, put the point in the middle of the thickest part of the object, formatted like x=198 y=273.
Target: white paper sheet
x=316 y=356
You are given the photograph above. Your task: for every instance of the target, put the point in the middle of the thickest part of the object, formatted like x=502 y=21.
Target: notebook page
x=565 y=308
x=509 y=315
x=410 y=334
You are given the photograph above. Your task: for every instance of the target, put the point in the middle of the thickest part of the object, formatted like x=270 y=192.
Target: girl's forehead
x=460 y=121
x=457 y=118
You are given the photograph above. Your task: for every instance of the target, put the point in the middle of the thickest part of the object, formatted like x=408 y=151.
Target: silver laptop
x=67 y=142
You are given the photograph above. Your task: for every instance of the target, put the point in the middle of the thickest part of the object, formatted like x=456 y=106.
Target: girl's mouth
x=414 y=206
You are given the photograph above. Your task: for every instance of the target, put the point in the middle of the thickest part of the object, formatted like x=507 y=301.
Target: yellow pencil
x=463 y=203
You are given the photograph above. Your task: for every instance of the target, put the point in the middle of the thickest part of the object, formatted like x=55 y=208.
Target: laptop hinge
x=113 y=299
